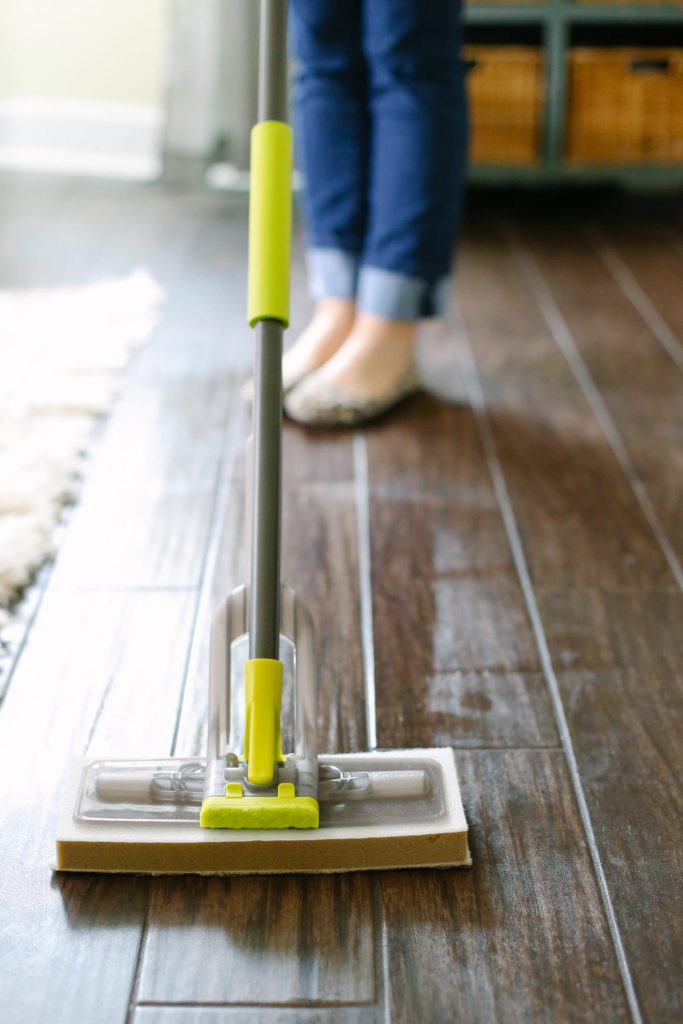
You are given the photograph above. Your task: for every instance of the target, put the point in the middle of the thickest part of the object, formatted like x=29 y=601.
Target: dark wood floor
x=502 y=558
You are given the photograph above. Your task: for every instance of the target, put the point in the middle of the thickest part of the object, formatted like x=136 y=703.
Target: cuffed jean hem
x=387 y=293
x=332 y=273
x=400 y=297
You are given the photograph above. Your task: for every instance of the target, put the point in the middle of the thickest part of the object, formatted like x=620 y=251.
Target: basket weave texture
x=506 y=99
x=639 y=2
x=625 y=106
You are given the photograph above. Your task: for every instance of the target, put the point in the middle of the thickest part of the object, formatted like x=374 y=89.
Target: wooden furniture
x=562 y=32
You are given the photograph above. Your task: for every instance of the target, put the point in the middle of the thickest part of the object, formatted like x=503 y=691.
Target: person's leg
x=332 y=139
x=418 y=158
x=417 y=169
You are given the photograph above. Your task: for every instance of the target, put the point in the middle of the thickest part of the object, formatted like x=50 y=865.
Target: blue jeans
x=381 y=129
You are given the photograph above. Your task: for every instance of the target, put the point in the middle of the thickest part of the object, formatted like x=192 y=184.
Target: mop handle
x=270 y=229
x=270 y=213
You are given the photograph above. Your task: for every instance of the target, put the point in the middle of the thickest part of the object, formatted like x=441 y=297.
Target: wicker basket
x=658 y=2
x=625 y=106
x=506 y=95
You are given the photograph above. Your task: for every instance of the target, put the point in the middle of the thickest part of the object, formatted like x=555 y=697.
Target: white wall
x=99 y=50
x=82 y=84
x=212 y=77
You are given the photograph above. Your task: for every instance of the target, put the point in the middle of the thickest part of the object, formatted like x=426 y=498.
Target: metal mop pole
x=264 y=620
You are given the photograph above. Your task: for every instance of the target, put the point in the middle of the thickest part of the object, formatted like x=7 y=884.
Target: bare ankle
x=375 y=332
x=335 y=313
x=329 y=326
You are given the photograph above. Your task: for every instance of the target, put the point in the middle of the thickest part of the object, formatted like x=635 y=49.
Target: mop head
x=413 y=827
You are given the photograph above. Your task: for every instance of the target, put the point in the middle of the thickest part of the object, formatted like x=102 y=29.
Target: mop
x=246 y=807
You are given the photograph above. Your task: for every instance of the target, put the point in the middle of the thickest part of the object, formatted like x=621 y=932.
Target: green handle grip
x=270 y=222
x=262 y=737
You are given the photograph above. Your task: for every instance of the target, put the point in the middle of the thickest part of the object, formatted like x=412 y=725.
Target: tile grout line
x=386 y=979
x=552 y=748
x=381 y=957
x=237 y=1004
x=478 y=403
x=640 y=301
x=362 y=496
x=362 y=501
x=135 y=986
x=563 y=337
x=98 y=714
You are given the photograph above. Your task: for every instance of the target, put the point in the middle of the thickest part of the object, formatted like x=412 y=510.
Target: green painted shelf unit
x=556 y=19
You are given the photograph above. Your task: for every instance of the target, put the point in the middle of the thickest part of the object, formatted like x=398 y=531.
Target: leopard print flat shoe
x=317 y=403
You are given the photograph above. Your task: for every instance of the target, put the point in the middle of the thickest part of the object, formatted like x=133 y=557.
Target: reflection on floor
x=521 y=602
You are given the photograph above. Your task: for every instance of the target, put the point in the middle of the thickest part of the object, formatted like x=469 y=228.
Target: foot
x=329 y=326
x=328 y=329
x=375 y=356
x=371 y=372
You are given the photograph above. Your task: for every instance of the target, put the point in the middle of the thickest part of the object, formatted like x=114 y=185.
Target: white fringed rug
x=60 y=354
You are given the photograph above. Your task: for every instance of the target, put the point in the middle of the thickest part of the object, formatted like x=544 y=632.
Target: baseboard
x=111 y=140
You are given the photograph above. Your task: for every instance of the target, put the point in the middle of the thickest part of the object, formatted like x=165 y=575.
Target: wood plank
x=178 y=400
x=150 y=491
x=320 y=561
x=433 y=631
x=455 y=658
x=315 y=456
x=289 y=941
x=426 y=453
x=282 y=940
x=519 y=937
x=642 y=391
x=309 y=457
x=587 y=526
x=146 y=507
x=476 y=709
x=319 y=556
x=523 y=935
x=100 y=230
x=652 y=256
x=624 y=695
x=104 y=669
x=109 y=667
x=433 y=621
x=609 y=630
x=254 y=1015
x=610 y=613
